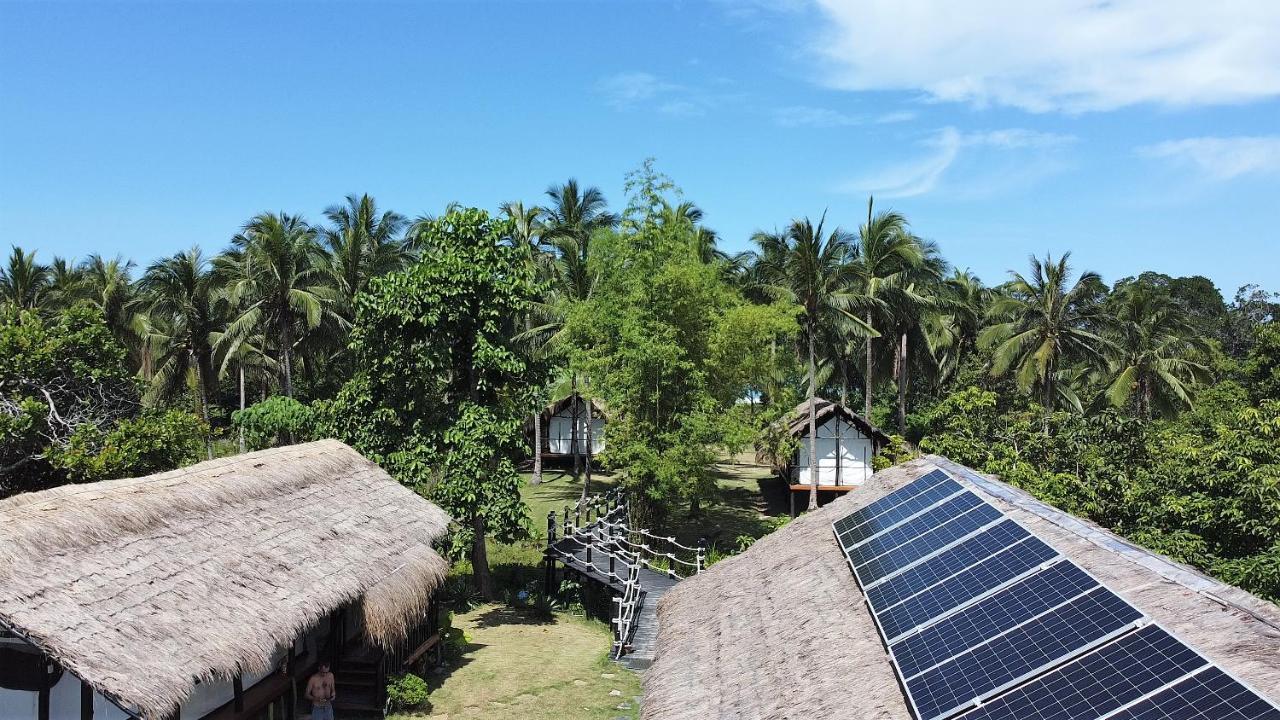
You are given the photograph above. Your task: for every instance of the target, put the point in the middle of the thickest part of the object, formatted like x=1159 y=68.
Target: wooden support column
x=237 y=687
x=42 y=703
x=86 y=701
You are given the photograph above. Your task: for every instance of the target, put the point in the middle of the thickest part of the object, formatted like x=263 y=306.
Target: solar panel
x=955 y=559
x=984 y=576
x=1099 y=682
x=898 y=513
x=1208 y=695
x=913 y=528
x=1002 y=661
x=995 y=615
x=926 y=544
x=890 y=501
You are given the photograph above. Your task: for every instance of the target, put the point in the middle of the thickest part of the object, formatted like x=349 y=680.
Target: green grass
x=527 y=665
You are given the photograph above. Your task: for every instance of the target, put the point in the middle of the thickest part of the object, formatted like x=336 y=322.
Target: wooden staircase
x=360 y=694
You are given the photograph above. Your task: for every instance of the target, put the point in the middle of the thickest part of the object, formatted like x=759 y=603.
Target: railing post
x=551 y=527
x=567 y=532
x=702 y=556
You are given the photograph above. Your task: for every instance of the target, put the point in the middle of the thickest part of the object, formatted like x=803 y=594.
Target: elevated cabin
x=564 y=427
x=212 y=592
x=1033 y=614
x=846 y=445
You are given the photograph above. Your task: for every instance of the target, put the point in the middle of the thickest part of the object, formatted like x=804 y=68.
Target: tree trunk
x=537 y=449
x=867 y=407
x=573 y=428
x=813 y=424
x=241 y=366
x=902 y=386
x=286 y=356
x=844 y=381
x=204 y=405
x=586 y=478
x=480 y=559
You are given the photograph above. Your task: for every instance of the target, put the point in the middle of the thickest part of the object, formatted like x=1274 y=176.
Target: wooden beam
x=823 y=488
x=42 y=703
x=237 y=687
x=86 y=701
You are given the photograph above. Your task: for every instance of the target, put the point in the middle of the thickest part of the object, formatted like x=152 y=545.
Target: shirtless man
x=321 y=693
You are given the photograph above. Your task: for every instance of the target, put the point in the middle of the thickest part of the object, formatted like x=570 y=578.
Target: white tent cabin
x=212 y=592
x=559 y=438
x=846 y=445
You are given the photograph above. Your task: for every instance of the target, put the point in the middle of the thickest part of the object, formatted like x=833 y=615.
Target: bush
x=453 y=640
x=151 y=443
x=407 y=692
x=278 y=420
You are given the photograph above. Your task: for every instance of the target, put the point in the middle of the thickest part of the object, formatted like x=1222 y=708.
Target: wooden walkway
x=572 y=553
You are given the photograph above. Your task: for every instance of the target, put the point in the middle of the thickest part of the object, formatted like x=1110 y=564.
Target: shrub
x=407 y=692
x=151 y=443
x=278 y=420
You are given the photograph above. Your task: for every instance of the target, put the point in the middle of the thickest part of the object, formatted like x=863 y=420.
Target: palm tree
x=810 y=267
x=276 y=275
x=108 y=284
x=1042 y=323
x=362 y=244
x=23 y=281
x=526 y=235
x=67 y=283
x=1154 y=343
x=885 y=252
x=688 y=216
x=182 y=320
x=954 y=332
x=574 y=215
x=914 y=297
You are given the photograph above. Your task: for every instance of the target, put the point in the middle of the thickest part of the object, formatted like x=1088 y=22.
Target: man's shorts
x=322 y=712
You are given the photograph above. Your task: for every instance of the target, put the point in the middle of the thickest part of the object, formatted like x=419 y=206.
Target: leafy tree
x=276 y=273
x=527 y=229
x=23 y=281
x=1262 y=366
x=153 y=442
x=1042 y=323
x=1153 y=343
x=441 y=389
x=810 y=268
x=278 y=420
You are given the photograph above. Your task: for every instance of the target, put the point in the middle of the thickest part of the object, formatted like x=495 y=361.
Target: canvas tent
x=183 y=593
x=783 y=630
x=559 y=437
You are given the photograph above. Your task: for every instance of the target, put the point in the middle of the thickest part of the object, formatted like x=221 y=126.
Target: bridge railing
x=629 y=603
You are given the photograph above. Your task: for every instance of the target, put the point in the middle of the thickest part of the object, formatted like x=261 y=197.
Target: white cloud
x=922 y=175
x=1221 y=158
x=816 y=117
x=1072 y=55
x=632 y=90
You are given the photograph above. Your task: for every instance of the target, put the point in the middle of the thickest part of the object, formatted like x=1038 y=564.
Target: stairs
x=359 y=697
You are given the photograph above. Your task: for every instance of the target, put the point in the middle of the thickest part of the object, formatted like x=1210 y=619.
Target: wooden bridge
x=595 y=543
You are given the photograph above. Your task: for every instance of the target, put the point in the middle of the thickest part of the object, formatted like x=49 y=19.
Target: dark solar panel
x=930 y=542
x=913 y=528
x=964 y=586
x=945 y=564
x=1208 y=695
x=893 y=499
x=1099 y=682
x=898 y=513
x=995 y=615
x=1019 y=653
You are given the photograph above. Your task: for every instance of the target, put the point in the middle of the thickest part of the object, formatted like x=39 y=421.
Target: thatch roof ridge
x=782 y=631
x=144 y=586
x=798 y=419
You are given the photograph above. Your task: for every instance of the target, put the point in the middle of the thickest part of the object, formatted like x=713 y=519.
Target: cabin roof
x=782 y=630
x=142 y=587
x=798 y=420
x=567 y=400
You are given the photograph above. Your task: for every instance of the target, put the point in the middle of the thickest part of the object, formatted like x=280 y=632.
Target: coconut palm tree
x=914 y=298
x=277 y=276
x=67 y=283
x=23 y=281
x=954 y=332
x=574 y=215
x=688 y=216
x=179 y=292
x=1041 y=324
x=108 y=284
x=362 y=244
x=810 y=267
x=885 y=253
x=1151 y=359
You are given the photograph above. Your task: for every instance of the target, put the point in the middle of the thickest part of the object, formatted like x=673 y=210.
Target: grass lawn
x=522 y=664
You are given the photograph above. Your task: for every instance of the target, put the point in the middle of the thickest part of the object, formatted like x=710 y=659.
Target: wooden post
x=42 y=701
x=792 y=493
x=567 y=532
x=551 y=527
x=237 y=687
x=702 y=555
x=86 y=701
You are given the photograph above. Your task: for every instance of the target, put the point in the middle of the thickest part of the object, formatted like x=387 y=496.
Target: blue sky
x=1139 y=135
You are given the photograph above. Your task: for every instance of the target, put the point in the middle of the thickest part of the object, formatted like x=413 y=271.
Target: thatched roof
x=798 y=420
x=597 y=406
x=141 y=587
x=782 y=630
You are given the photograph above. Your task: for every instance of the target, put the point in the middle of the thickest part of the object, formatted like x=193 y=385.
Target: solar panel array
x=985 y=621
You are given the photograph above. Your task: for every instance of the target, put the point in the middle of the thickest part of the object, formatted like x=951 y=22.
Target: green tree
x=362 y=244
x=811 y=269
x=1153 y=344
x=23 y=281
x=275 y=272
x=441 y=389
x=182 y=320
x=1262 y=365
x=1042 y=323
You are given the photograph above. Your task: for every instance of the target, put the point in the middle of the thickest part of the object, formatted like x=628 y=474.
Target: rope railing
x=624 y=622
